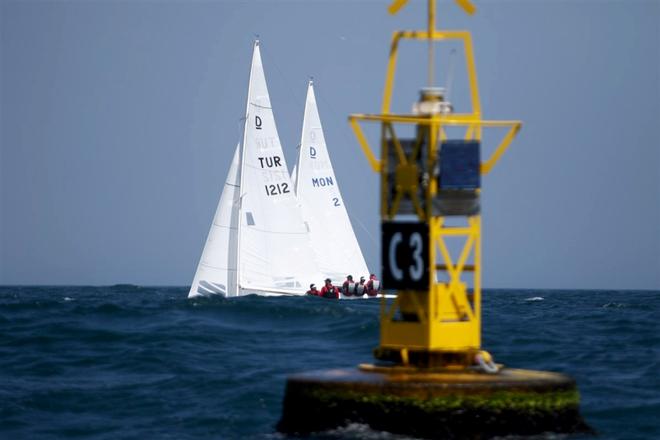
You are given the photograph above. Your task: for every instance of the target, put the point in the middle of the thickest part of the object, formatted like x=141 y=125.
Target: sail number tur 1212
x=269 y=162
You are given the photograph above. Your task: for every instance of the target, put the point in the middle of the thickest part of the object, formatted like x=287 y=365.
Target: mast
x=255 y=51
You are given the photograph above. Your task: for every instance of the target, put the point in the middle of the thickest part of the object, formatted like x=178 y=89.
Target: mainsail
x=266 y=243
x=322 y=206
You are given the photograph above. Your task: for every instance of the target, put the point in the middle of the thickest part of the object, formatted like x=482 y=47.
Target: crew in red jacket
x=348 y=286
x=313 y=291
x=329 y=291
x=373 y=285
x=361 y=287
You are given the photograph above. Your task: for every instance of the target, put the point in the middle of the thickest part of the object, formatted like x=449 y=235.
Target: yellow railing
x=465 y=120
x=447 y=317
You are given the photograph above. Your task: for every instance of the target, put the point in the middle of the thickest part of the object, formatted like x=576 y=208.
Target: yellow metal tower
x=430 y=188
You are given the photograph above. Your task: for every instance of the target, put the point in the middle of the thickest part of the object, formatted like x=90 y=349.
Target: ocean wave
x=360 y=431
x=131 y=361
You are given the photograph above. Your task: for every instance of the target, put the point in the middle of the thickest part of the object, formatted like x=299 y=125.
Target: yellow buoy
x=432 y=379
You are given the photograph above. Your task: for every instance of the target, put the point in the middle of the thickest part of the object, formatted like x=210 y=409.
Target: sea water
x=136 y=362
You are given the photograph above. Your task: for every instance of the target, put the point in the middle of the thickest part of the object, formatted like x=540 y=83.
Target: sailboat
x=258 y=242
x=323 y=209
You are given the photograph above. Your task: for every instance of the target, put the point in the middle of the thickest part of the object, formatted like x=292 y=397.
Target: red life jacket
x=330 y=292
x=371 y=291
x=348 y=288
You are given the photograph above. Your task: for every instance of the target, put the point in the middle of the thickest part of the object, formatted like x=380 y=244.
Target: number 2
x=336 y=200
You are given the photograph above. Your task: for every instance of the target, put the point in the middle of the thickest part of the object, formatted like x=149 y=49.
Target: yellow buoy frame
x=447 y=328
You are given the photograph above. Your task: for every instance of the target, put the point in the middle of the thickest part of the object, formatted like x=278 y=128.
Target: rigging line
x=218 y=225
x=364 y=228
x=254 y=228
x=210 y=266
x=334 y=117
x=348 y=141
x=293 y=96
x=261 y=106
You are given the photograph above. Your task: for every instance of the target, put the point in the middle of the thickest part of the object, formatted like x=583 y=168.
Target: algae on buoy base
x=433 y=404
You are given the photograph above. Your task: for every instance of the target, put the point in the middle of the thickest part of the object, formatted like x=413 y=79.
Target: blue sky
x=119 y=119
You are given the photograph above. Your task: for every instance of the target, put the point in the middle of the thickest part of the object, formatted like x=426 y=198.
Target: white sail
x=323 y=208
x=274 y=252
x=216 y=271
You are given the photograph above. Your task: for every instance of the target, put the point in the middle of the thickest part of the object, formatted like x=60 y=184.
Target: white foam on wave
x=614 y=306
x=535 y=298
x=363 y=432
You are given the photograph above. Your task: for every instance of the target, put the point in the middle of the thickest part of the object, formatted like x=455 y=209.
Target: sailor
x=313 y=291
x=329 y=291
x=361 y=287
x=349 y=286
x=373 y=285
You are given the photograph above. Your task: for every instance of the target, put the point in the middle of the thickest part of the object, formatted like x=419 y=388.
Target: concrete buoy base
x=433 y=403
